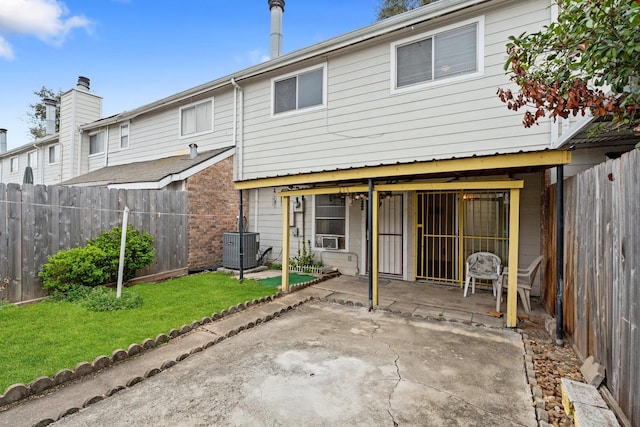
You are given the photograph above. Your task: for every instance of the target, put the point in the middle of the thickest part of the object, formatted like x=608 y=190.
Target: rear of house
x=409 y=104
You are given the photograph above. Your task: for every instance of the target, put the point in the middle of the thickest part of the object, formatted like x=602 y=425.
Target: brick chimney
x=277 y=9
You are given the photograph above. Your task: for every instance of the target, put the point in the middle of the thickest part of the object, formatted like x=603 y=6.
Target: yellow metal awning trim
x=503 y=161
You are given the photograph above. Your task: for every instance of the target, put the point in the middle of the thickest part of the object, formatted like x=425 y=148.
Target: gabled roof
x=152 y=174
x=370 y=32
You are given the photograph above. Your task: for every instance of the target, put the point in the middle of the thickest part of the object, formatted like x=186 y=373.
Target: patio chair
x=526 y=276
x=482 y=265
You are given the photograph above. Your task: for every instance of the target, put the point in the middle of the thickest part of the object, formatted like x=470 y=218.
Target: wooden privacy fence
x=37 y=221
x=602 y=272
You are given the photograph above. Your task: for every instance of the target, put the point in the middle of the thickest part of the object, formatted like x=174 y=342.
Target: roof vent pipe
x=3 y=140
x=50 y=116
x=277 y=9
x=194 y=150
x=83 y=83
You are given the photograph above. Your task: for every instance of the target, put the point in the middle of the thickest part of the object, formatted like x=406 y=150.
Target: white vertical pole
x=123 y=242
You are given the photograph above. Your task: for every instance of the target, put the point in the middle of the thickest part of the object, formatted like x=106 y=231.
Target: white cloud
x=5 y=49
x=47 y=20
x=252 y=57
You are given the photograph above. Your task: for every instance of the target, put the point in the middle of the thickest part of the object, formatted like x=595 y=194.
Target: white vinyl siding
x=96 y=143
x=196 y=119
x=448 y=53
x=124 y=136
x=366 y=125
x=299 y=91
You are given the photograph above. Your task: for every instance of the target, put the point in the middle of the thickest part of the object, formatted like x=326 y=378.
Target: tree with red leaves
x=589 y=60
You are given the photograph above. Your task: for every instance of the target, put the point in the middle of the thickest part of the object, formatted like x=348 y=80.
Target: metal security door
x=390 y=234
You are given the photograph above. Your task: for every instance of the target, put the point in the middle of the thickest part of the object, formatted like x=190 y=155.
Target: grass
x=294 y=279
x=40 y=339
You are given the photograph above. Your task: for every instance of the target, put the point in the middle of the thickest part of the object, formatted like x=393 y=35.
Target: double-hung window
x=32 y=159
x=124 y=135
x=299 y=91
x=14 y=164
x=330 y=221
x=449 y=54
x=53 y=153
x=196 y=118
x=96 y=143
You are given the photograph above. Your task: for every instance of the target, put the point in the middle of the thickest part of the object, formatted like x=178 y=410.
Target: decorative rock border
x=542 y=416
x=18 y=392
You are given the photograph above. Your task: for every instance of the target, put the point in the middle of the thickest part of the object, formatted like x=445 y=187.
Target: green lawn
x=42 y=338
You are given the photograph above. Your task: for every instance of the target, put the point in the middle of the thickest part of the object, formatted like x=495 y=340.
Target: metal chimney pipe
x=50 y=116
x=83 y=83
x=194 y=150
x=3 y=140
x=277 y=9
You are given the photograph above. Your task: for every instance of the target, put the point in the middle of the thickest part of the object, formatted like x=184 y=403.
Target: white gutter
x=238 y=140
x=386 y=26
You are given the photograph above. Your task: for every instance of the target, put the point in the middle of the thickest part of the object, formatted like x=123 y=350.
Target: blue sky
x=138 y=51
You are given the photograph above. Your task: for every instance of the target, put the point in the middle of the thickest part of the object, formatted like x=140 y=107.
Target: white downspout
x=106 y=147
x=238 y=133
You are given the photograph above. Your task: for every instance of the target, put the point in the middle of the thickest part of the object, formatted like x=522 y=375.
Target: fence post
x=123 y=243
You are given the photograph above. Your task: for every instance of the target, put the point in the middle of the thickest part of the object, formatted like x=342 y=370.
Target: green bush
x=102 y=298
x=138 y=251
x=70 y=268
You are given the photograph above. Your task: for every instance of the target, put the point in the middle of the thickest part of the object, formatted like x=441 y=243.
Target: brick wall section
x=213 y=207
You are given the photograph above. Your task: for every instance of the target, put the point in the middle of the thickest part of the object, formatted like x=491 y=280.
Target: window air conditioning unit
x=329 y=242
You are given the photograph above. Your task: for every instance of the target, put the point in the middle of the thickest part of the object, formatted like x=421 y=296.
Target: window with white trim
x=96 y=143
x=299 y=91
x=124 y=136
x=196 y=118
x=330 y=221
x=32 y=159
x=53 y=153
x=450 y=53
x=14 y=165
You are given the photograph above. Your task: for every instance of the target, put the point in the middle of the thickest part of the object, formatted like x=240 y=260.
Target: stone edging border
x=542 y=416
x=18 y=392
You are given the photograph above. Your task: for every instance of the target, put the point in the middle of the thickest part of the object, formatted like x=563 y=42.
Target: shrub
x=70 y=268
x=138 y=251
x=102 y=298
x=305 y=257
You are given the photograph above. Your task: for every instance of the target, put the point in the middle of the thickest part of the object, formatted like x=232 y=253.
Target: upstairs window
x=14 y=164
x=448 y=54
x=53 y=154
x=32 y=159
x=96 y=143
x=330 y=221
x=196 y=118
x=124 y=136
x=299 y=91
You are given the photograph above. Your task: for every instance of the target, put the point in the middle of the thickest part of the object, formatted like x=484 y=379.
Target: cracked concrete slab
x=330 y=364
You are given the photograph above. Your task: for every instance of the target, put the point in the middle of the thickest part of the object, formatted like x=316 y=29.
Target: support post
x=241 y=237
x=514 y=242
x=370 y=242
x=559 y=254
x=375 y=239
x=285 y=243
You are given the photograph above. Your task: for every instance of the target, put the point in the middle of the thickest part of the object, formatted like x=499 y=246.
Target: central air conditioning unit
x=231 y=250
x=329 y=242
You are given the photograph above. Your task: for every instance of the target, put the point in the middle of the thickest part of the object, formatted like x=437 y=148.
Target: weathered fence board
x=37 y=221
x=602 y=260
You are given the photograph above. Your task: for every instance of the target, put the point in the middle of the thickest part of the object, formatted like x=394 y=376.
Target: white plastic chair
x=482 y=265
x=526 y=276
